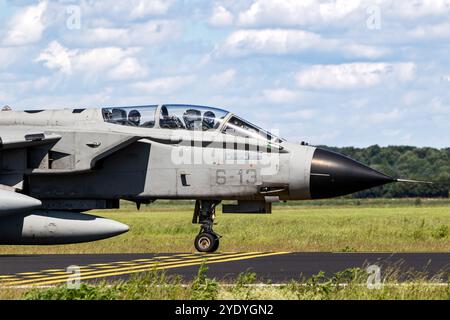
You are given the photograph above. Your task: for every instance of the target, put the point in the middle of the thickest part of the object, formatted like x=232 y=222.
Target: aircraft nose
x=333 y=175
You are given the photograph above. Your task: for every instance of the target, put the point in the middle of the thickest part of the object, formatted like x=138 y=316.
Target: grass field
x=349 y=225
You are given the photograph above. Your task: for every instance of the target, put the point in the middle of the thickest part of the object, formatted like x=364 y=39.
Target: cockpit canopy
x=185 y=117
x=171 y=116
x=191 y=117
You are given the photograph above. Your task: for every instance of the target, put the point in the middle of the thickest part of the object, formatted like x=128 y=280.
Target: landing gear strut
x=207 y=240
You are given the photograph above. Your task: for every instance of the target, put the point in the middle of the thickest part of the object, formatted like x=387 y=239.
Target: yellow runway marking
x=51 y=270
x=113 y=266
x=163 y=267
x=173 y=260
x=114 y=269
x=34 y=276
x=142 y=260
x=59 y=272
x=146 y=267
x=27 y=273
x=107 y=267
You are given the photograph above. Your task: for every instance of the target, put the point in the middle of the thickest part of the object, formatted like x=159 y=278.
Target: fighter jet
x=56 y=165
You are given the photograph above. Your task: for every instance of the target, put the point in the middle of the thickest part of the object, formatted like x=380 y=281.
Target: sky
x=328 y=72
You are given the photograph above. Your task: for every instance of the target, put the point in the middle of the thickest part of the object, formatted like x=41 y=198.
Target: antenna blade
x=414 y=181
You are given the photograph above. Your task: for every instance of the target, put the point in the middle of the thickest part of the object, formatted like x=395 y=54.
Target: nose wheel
x=206 y=240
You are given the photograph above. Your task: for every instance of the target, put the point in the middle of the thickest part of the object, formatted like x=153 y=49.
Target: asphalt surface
x=278 y=267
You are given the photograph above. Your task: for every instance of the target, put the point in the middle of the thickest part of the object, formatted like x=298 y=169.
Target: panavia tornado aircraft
x=55 y=165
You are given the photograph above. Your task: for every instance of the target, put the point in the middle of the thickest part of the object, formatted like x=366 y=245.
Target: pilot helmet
x=191 y=117
x=209 y=119
x=134 y=117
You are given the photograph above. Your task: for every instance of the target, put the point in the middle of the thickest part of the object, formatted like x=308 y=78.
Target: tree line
x=405 y=162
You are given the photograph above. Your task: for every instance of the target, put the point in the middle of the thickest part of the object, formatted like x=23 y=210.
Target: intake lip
x=334 y=174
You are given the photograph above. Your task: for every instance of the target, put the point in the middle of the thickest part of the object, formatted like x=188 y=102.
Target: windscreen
x=241 y=128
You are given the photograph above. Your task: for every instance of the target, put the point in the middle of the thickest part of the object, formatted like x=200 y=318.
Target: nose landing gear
x=207 y=240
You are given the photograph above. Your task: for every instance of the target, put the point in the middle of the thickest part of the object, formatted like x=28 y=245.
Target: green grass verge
x=348 y=284
x=340 y=225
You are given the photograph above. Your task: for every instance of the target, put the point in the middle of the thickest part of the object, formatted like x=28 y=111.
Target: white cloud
x=130 y=68
x=151 y=32
x=26 y=26
x=7 y=57
x=4 y=97
x=270 y=41
x=438 y=107
x=98 y=60
x=392 y=132
x=57 y=57
x=223 y=78
x=164 y=85
x=291 y=41
x=105 y=35
x=287 y=12
x=112 y=62
x=318 y=12
x=128 y=10
x=364 y=51
x=382 y=117
x=329 y=137
x=143 y=8
x=339 y=9
x=441 y=30
x=296 y=13
x=34 y=85
x=353 y=75
x=221 y=17
x=358 y=103
x=397 y=135
x=303 y=114
x=413 y=9
x=280 y=95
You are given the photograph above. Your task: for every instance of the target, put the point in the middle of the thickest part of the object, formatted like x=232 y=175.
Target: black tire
x=206 y=242
x=216 y=245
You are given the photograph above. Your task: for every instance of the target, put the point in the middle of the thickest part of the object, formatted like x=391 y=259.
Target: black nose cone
x=333 y=175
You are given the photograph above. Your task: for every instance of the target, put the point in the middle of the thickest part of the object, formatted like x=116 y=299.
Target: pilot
x=192 y=118
x=169 y=122
x=119 y=116
x=107 y=115
x=134 y=118
x=208 y=120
